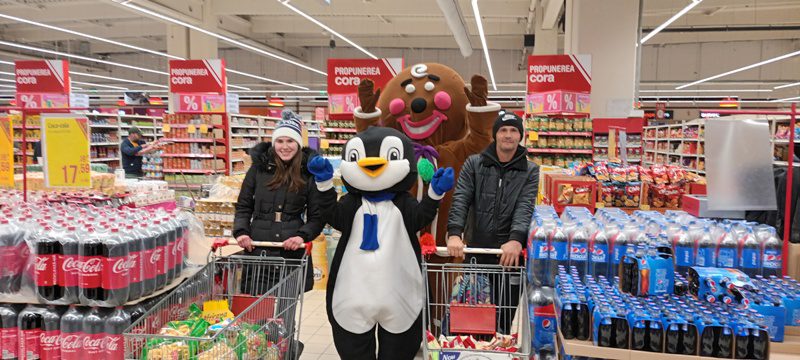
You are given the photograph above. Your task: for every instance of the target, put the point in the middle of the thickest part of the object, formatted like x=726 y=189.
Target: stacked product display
x=559 y=141
x=104 y=139
x=680 y=145
x=634 y=186
x=337 y=132
x=649 y=253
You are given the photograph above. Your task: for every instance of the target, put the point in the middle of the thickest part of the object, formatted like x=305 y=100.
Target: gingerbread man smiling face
x=427 y=103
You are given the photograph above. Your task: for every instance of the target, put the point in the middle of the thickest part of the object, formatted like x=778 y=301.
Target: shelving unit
x=337 y=132
x=600 y=139
x=559 y=138
x=196 y=148
x=105 y=139
x=681 y=144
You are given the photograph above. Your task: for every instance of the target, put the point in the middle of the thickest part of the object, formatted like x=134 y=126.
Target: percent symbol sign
x=551 y=102
x=569 y=103
x=28 y=101
x=191 y=103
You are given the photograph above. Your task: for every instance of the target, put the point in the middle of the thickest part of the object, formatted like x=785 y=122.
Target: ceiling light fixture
x=97 y=85
x=786 y=85
x=238 y=87
x=703 y=90
x=220 y=37
x=478 y=20
x=748 y=67
x=31 y=48
x=118 y=79
x=326 y=28
x=787 y=99
x=670 y=21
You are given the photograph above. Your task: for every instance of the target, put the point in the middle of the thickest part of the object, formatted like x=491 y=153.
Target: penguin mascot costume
x=376 y=281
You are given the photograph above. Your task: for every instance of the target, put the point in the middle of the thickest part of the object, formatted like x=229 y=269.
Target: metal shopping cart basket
x=263 y=293
x=472 y=309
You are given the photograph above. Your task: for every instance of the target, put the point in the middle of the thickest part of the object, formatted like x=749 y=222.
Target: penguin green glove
x=321 y=168
x=443 y=180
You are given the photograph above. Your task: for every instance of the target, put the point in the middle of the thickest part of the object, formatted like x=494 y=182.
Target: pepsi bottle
x=599 y=262
x=568 y=320
x=727 y=251
x=639 y=334
x=579 y=250
x=725 y=343
x=750 y=259
x=706 y=249
x=772 y=256
x=655 y=338
x=537 y=267
x=558 y=251
x=690 y=340
x=684 y=251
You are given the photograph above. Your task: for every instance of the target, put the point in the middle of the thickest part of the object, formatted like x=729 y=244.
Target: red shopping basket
x=263 y=311
x=473 y=319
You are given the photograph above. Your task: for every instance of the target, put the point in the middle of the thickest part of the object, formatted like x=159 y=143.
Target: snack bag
x=645 y=175
x=607 y=194
x=659 y=173
x=633 y=173
x=672 y=196
x=619 y=174
x=632 y=194
x=658 y=196
x=566 y=194
x=675 y=174
x=619 y=195
x=582 y=195
x=601 y=171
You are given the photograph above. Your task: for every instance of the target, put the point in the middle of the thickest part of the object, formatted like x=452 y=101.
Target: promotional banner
x=42 y=76
x=6 y=152
x=43 y=101
x=197 y=76
x=65 y=150
x=233 y=103
x=344 y=75
x=188 y=103
x=559 y=83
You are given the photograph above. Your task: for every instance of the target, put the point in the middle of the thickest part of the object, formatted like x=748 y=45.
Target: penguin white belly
x=382 y=286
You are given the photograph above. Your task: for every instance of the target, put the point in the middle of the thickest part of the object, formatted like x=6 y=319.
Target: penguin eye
x=352 y=156
x=394 y=154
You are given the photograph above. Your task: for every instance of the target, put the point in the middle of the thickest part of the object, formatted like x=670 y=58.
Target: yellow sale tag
x=6 y=152
x=533 y=135
x=65 y=149
x=203 y=128
x=323 y=144
x=599 y=205
x=191 y=129
x=644 y=207
x=165 y=129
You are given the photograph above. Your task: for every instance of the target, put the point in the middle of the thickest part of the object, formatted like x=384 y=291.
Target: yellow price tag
x=644 y=207
x=323 y=144
x=203 y=128
x=533 y=135
x=166 y=128
x=6 y=152
x=191 y=129
x=65 y=149
x=599 y=205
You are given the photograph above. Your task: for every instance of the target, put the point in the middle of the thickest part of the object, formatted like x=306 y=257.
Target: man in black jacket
x=492 y=207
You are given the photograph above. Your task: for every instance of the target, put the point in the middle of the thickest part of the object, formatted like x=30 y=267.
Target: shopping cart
x=263 y=294
x=471 y=306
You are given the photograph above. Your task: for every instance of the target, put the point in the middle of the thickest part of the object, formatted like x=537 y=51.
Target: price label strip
x=6 y=152
x=65 y=149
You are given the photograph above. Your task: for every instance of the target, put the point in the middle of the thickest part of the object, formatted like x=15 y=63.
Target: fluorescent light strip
x=118 y=79
x=689 y=96
x=787 y=99
x=134 y=90
x=326 y=27
x=9 y=86
x=20 y=46
x=670 y=21
x=266 y=79
x=7 y=63
x=786 y=85
x=238 y=87
x=703 y=90
x=710 y=101
x=748 y=67
x=322 y=92
x=220 y=37
x=477 y=13
x=97 y=85
x=8 y=80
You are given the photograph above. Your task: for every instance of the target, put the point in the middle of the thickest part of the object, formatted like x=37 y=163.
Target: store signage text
x=344 y=76
x=65 y=149
x=559 y=72
x=42 y=76
x=197 y=76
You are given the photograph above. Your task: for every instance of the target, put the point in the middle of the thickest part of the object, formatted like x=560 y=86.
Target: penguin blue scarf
x=369 y=240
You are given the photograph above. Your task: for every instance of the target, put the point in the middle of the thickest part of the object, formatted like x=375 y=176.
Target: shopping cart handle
x=222 y=242
x=442 y=251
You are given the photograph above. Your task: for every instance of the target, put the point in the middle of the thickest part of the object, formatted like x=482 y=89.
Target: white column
x=607 y=30
x=546 y=34
x=202 y=46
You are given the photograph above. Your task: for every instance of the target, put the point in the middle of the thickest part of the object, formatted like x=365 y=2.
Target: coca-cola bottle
x=90 y=257
x=158 y=260
x=149 y=259
x=183 y=240
x=170 y=251
x=116 y=269
x=72 y=334
x=51 y=334
x=70 y=266
x=93 y=334
x=12 y=254
x=135 y=253
x=114 y=344
x=30 y=333
x=47 y=266
x=9 y=334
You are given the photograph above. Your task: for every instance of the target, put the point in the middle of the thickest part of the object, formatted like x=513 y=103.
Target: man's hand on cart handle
x=230 y=242
x=511 y=251
x=245 y=242
x=455 y=246
x=293 y=243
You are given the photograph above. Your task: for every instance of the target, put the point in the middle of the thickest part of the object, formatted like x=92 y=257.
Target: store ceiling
x=415 y=29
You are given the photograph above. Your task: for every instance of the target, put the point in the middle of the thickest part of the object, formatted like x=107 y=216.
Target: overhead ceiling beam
x=354 y=26
x=552 y=8
x=411 y=8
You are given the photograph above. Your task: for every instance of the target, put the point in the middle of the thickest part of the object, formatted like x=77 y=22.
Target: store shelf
x=19 y=127
x=237 y=160
x=201 y=156
x=27 y=140
x=105 y=144
x=246 y=135
x=104 y=126
x=786 y=163
x=561 y=151
x=340 y=130
x=104 y=159
x=565 y=133
x=242 y=146
x=337 y=141
x=235 y=126
x=191 y=171
x=129 y=116
x=188 y=140
x=140 y=126
x=185 y=186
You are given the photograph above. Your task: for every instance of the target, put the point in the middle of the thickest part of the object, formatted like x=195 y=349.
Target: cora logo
x=123 y=265
x=93 y=265
x=71 y=342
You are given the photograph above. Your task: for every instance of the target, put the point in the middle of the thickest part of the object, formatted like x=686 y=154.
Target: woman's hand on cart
x=245 y=242
x=293 y=243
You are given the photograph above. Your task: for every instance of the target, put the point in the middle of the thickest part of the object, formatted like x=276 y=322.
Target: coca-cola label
x=45 y=266
x=29 y=344
x=136 y=270
x=114 y=347
x=93 y=345
x=91 y=269
x=158 y=261
x=9 y=338
x=70 y=268
x=149 y=269
x=116 y=272
x=181 y=248
x=72 y=346
x=50 y=342
x=170 y=252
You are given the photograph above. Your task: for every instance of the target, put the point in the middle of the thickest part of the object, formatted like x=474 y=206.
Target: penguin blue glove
x=321 y=168
x=443 y=180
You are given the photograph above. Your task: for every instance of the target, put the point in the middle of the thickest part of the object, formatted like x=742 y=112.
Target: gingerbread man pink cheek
x=442 y=100
x=397 y=106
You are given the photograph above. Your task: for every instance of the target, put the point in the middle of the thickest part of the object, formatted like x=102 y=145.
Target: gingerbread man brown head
x=427 y=103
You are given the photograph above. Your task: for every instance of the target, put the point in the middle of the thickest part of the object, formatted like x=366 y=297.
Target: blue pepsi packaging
x=716 y=337
x=651 y=274
x=719 y=285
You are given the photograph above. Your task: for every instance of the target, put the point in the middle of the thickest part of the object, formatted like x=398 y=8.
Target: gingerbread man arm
x=481 y=114
x=367 y=114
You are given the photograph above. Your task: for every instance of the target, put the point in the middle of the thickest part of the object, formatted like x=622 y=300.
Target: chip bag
x=601 y=171
x=645 y=175
x=632 y=194
x=659 y=173
x=676 y=174
x=633 y=173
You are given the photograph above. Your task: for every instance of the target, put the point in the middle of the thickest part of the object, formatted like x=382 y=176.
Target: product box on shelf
x=697 y=205
x=563 y=191
x=648 y=274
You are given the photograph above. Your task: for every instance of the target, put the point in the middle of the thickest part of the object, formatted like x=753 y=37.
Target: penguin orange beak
x=372 y=166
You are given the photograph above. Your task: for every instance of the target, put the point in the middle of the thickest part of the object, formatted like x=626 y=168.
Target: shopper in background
x=133 y=148
x=493 y=201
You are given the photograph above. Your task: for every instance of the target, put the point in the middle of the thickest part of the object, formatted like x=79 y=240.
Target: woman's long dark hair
x=288 y=173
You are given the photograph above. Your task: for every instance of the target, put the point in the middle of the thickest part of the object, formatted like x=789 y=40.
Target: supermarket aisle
x=315 y=331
